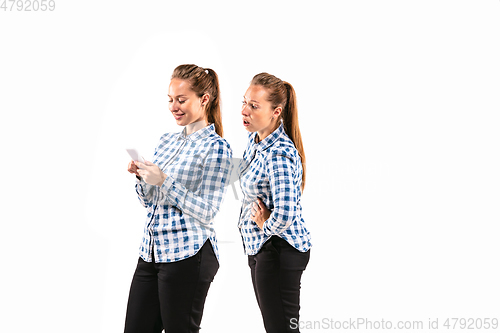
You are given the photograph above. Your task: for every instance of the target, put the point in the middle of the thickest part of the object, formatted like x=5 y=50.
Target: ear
x=204 y=99
x=277 y=112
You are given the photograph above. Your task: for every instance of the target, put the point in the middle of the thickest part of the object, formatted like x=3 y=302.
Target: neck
x=193 y=127
x=261 y=135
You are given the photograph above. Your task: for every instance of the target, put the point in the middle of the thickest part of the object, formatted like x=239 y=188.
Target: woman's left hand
x=260 y=213
x=151 y=173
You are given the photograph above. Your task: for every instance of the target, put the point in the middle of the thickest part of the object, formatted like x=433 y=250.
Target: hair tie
x=206 y=71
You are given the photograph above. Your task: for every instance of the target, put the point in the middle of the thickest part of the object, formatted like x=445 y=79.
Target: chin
x=181 y=122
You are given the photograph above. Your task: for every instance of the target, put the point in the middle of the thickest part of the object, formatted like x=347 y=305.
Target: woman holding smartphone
x=272 y=178
x=182 y=190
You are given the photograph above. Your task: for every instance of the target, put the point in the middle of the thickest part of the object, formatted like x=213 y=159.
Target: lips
x=178 y=116
x=246 y=123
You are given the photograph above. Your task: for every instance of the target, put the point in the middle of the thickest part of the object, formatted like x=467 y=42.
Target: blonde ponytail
x=291 y=124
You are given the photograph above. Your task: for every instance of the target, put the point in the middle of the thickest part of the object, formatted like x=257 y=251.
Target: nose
x=244 y=110
x=172 y=106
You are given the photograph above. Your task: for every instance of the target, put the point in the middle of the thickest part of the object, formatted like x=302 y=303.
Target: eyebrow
x=252 y=100
x=177 y=96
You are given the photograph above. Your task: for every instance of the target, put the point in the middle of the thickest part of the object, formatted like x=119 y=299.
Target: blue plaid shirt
x=272 y=171
x=180 y=212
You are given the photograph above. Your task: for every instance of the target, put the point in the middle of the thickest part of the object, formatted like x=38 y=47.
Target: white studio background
x=398 y=104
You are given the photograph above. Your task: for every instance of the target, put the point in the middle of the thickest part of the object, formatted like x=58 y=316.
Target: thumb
x=148 y=163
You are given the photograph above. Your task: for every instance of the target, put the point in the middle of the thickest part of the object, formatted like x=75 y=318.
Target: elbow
x=204 y=217
x=278 y=223
x=210 y=216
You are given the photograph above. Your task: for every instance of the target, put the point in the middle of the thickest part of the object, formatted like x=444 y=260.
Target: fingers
x=144 y=165
x=256 y=210
x=144 y=170
x=132 y=168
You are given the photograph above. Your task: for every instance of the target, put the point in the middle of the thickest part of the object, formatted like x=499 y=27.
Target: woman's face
x=258 y=114
x=185 y=105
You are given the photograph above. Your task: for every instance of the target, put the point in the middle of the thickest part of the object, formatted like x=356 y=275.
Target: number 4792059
x=28 y=5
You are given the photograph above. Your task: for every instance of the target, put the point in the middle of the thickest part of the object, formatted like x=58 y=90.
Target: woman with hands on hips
x=182 y=190
x=272 y=177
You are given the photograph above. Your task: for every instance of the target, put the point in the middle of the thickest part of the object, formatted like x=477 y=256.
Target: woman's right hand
x=132 y=168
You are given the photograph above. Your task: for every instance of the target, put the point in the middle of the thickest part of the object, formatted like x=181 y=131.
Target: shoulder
x=283 y=148
x=280 y=155
x=218 y=144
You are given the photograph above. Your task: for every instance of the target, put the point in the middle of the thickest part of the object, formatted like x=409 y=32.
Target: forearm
x=279 y=221
x=202 y=207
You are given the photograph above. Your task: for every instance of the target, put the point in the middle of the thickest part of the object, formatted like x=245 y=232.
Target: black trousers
x=276 y=271
x=170 y=296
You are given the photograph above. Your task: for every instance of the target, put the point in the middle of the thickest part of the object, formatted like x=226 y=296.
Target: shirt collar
x=270 y=139
x=199 y=134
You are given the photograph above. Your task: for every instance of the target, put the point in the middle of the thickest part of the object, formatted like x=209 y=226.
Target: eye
x=254 y=106
x=181 y=101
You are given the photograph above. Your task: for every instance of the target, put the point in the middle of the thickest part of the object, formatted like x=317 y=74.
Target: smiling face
x=185 y=105
x=258 y=113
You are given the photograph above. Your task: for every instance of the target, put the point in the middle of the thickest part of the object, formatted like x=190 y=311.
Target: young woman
x=272 y=177
x=181 y=190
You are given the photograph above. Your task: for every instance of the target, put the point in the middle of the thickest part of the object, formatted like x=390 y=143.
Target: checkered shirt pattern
x=181 y=211
x=272 y=171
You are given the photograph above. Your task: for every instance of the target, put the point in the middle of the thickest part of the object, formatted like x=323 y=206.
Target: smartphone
x=135 y=155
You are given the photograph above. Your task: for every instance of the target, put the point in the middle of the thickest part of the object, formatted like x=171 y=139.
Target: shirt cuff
x=266 y=227
x=166 y=187
x=139 y=181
